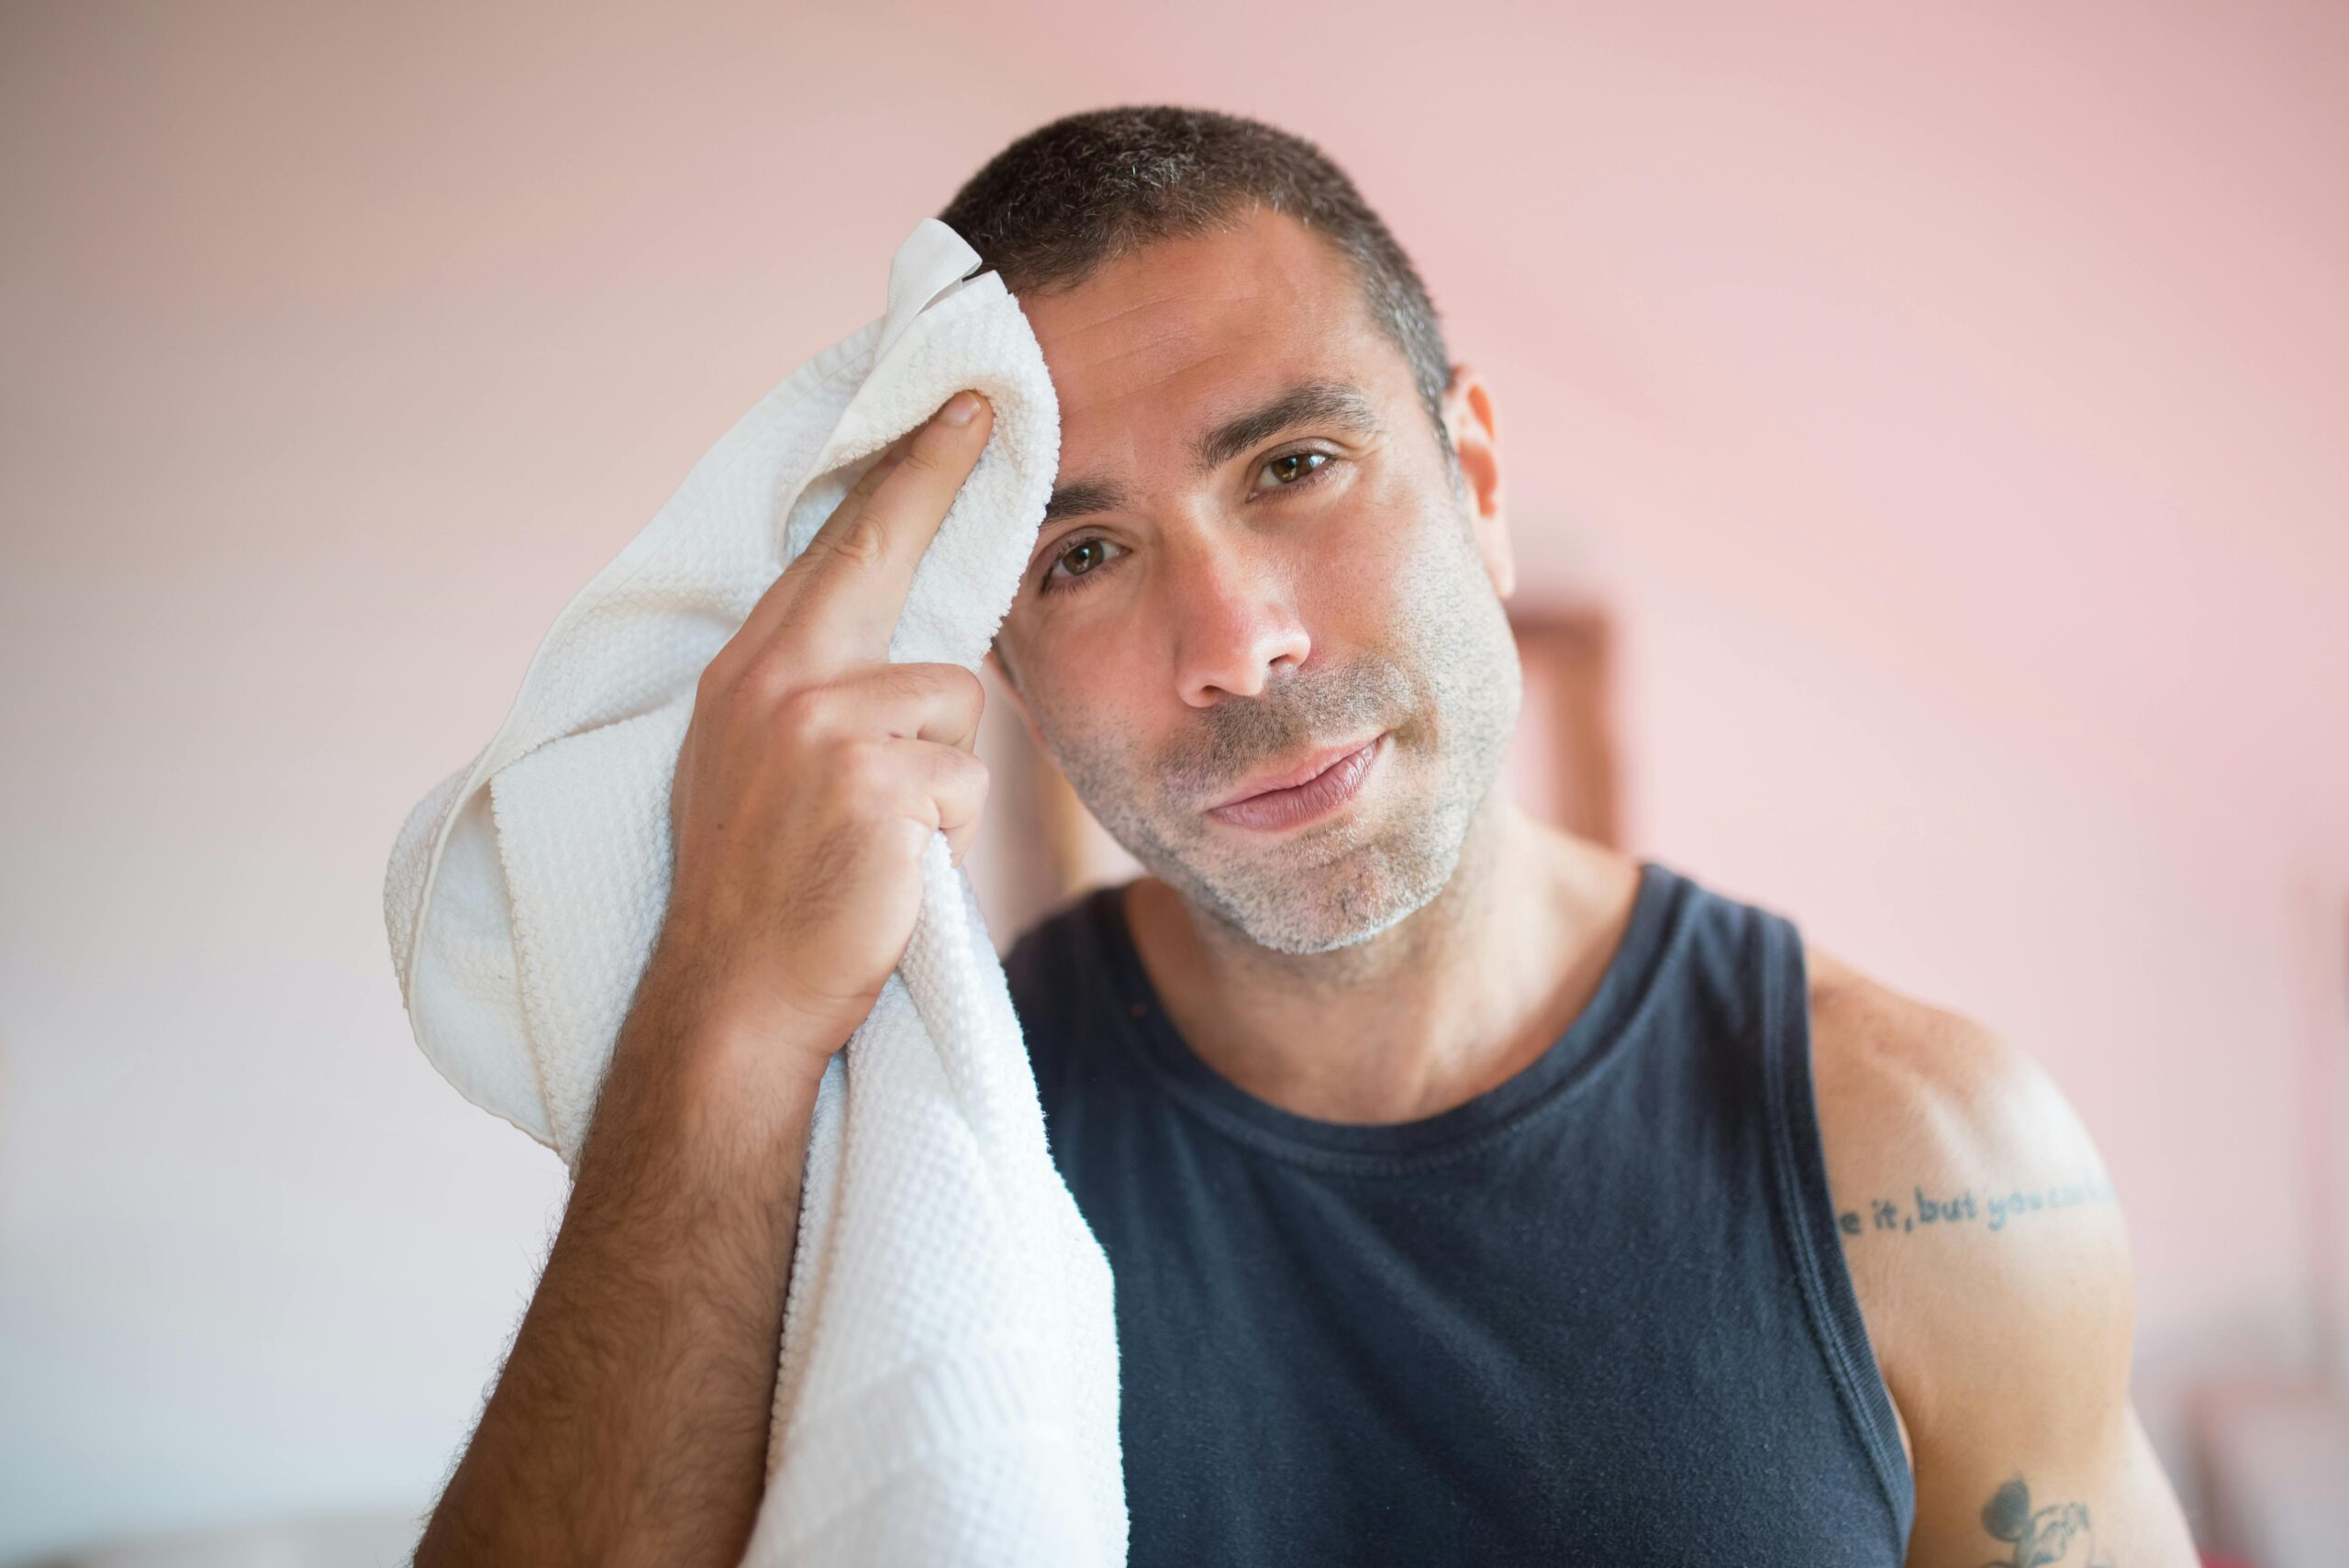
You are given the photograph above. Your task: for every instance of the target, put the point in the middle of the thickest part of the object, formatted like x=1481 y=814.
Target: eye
x=1295 y=475
x=1083 y=559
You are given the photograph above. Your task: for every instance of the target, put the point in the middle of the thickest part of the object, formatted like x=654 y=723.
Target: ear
x=1468 y=416
x=993 y=662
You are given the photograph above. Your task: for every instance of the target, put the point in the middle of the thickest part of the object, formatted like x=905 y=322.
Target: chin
x=1340 y=904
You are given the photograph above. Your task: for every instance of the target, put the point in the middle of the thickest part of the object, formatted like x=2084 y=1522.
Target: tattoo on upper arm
x=1993 y=1211
x=2059 y=1533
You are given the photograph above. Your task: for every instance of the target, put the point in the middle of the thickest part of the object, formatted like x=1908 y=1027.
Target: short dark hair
x=1073 y=196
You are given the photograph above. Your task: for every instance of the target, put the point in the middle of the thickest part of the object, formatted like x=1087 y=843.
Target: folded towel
x=947 y=1390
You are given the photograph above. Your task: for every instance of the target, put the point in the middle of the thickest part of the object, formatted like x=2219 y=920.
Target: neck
x=1436 y=1009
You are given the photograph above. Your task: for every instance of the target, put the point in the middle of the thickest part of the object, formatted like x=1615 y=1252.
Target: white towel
x=947 y=1384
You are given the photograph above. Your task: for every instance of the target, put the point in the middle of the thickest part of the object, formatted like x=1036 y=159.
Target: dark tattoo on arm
x=1994 y=1210
x=2058 y=1533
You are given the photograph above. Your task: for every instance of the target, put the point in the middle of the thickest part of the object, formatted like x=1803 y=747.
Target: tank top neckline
x=1581 y=1049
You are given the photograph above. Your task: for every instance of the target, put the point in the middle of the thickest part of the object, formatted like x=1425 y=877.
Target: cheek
x=1356 y=582
x=1078 y=707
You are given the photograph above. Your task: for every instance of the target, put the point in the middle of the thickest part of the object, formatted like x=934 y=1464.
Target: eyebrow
x=1306 y=402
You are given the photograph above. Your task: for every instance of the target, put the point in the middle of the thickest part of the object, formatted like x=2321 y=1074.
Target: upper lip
x=1289 y=778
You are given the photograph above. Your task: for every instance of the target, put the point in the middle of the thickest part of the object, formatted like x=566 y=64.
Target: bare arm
x=630 y=1423
x=1993 y=1269
x=630 y=1420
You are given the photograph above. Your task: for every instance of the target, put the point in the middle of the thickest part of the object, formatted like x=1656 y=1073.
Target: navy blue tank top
x=1598 y=1314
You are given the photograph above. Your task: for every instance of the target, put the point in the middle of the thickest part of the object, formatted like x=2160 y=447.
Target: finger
x=954 y=785
x=939 y=703
x=863 y=562
x=773 y=606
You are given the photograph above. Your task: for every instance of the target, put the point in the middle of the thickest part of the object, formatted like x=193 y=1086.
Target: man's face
x=1186 y=626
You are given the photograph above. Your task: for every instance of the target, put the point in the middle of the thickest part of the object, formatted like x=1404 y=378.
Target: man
x=1474 y=1194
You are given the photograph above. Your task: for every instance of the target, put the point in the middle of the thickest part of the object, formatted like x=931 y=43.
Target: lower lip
x=1318 y=796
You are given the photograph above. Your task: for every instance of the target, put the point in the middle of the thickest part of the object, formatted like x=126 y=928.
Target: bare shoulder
x=1917 y=1094
x=1963 y=1179
x=1989 y=1253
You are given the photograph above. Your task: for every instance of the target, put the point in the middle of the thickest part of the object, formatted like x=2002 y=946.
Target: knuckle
x=803 y=709
x=962 y=770
x=861 y=541
x=953 y=686
x=756 y=676
x=928 y=451
x=861 y=768
x=731 y=685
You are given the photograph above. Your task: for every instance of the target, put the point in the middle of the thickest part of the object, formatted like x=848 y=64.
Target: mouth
x=1305 y=793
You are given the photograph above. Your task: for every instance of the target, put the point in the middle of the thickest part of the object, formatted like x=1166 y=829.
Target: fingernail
x=961 y=408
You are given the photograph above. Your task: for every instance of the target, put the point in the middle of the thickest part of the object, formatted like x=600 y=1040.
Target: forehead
x=1154 y=343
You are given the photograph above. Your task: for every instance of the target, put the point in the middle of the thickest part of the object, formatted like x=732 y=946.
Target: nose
x=1236 y=619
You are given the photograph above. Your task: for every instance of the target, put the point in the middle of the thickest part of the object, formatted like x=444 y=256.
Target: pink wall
x=1949 y=397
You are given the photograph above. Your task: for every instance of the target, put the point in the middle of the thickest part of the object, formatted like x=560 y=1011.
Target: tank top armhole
x=1806 y=1205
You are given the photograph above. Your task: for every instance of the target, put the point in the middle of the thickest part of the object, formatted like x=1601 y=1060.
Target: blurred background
x=1925 y=444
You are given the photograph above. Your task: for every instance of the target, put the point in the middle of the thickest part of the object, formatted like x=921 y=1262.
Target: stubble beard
x=1446 y=682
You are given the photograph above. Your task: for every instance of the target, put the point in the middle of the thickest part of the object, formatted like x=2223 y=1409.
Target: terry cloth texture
x=947 y=1384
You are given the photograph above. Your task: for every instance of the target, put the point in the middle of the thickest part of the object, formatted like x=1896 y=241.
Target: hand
x=814 y=772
